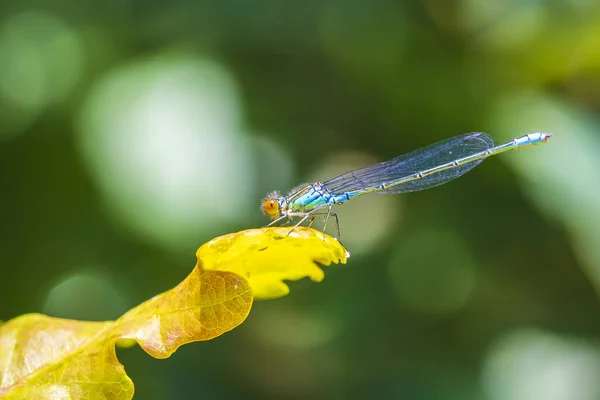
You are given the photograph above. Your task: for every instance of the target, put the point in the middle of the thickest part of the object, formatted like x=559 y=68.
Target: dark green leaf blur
x=131 y=132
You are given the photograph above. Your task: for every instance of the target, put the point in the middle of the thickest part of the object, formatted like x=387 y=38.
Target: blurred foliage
x=48 y=358
x=133 y=131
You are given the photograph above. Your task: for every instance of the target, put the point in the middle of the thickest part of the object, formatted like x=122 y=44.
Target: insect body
x=421 y=169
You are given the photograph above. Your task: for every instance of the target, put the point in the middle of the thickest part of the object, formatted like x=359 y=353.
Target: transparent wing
x=419 y=160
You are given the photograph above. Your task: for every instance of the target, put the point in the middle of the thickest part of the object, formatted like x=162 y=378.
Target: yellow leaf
x=266 y=257
x=50 y=358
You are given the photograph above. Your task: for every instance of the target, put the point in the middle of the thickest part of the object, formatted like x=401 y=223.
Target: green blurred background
x=133 y=131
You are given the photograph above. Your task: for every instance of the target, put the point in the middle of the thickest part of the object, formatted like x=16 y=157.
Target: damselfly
x=422 y=169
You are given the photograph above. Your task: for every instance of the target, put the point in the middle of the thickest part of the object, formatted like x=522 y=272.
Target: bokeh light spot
x=432 y=272
x=531 y=364
x=86 y=297
x=294 y=329
x=162 y=138
x=42 y=60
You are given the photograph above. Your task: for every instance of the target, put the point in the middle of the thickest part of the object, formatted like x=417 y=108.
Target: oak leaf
x=51 y=358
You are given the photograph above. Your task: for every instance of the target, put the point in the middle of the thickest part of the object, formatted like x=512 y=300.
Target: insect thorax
x=307 y=197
